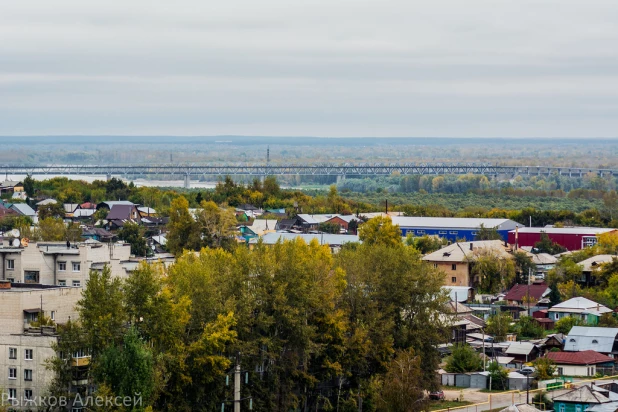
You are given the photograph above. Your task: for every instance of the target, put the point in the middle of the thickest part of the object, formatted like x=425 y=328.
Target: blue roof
x=454 y=222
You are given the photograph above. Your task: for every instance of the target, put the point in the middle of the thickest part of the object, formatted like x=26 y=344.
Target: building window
x=28 y=394
x=76 y=283
x=12 y=393
x=28 y=354
x=420 y=232
x=62 y=283
x=12 y=353
x=76 y=267
x=453 y=232
x=595 y=341
x=12 y=280
x=435 y=265
x=454 y=266
x=53 y=315
x=442 y=232
x=10 y=264
x=27 y=374
x=453 y=279
x=12 y=373
x=560 y=371
x=31 y=276
x=62 y=266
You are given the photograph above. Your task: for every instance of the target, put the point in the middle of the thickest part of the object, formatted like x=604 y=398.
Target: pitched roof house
x=454 y=260
x=582 y=397
x=582 y=363
x=602 y=340
x=518 y=294
x=581 y=308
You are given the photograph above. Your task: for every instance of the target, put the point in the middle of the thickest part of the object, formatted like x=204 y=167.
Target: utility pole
x=529 y=274
x=237 y=388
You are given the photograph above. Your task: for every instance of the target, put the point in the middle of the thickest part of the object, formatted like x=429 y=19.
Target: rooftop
x=460 y=252
x=536 y=291
x=453 y=222
x=565 y=230
x=586 y=357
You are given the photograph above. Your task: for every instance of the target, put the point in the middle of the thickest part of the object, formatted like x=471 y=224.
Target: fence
x=498 y=401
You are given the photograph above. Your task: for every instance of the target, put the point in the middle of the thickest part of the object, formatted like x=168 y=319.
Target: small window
x=62 y=266
x=28 y=394
x=442 y=232
x=12 y=393
x=12 y=353
x=453 y=279
x=454 y=266
x=435 y=265
x=420 y=232
x=53 y=315
x=62 y=283
x=28 y=354
x=27 y=374
x=595 y=341
x=572 y=340
x=76 y=283
x=453 y=232
x=10 y=264
x=12 y=280
x=76 y=267
x=12 y=373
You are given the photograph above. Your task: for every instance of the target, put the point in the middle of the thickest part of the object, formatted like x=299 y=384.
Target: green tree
x=127 y=369
x=216 y=225
x=546 y=245
x=51 y=210
x=403 y=389
x=527 y=327
x=182 y=231
x=499 y=325
x=101 y=311
x=487 y=233
x=29 y=186
x=492 y=271
x=463 y=359
x=524 y=266
x=329 y=227
x=52 y=229
x=380 y=230
x=498 y=376
x=133 y=234
x=565 y=324
x=426 y=244
x=545 y=368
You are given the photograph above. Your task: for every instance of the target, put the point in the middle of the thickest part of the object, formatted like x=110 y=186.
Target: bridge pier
x=108 y=176
x=340 y=178
x=187 y=181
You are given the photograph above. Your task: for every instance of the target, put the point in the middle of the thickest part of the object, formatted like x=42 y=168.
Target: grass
x=437 y=405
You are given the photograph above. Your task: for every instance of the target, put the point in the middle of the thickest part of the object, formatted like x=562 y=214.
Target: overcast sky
x=318 y=67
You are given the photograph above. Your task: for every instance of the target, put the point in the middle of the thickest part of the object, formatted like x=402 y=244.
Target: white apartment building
x=57 y=263
x=24 y=349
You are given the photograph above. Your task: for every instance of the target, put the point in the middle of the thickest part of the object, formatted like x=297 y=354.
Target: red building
x=572 y=238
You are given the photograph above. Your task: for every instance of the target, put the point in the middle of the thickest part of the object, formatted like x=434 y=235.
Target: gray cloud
x=328 y=68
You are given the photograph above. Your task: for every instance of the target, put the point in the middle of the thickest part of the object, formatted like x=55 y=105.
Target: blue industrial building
x=452 y=228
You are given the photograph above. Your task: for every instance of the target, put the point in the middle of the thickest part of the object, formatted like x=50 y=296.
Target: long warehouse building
x=452 y=228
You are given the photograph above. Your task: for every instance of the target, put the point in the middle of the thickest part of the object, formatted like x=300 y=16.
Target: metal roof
x=460 y=252
x=325 y=238
x=580 y=305
x=581 y=338
x=565 y=230
x=594 y=262
x=519 y=348
x=453 y=222
x=23 y=209
x=583 y=394
x=584 y=357
x=458 y=293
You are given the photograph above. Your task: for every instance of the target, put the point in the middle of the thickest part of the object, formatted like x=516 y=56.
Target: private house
x=24 y=210
x=522 y=351
x=120 y=214
x=452 y=228
x=521 y=407
x=593 y=264
x=347 y=223
x=9 y=186
x=98 y=234
x=257 y=228
x=463 y=321
x=109 y=204
x=69 y=209
x=456 y=260
x=303 y=222
x=572 y=238
x=6 y=211
x=583 y=338
x=544 y=263
x=579 y=400
x=523 y=295
x=582 y=363
x=581 y=308
x=46 y=202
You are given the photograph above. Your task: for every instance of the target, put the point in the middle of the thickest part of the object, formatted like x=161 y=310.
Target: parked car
x=436 y=396
x=527 y=370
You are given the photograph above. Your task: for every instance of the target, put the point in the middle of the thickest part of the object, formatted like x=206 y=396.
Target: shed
x=518 y=382
x=479 y=380
x=462 y=380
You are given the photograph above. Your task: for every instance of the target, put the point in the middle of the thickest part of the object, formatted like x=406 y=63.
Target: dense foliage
x=313 y=330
